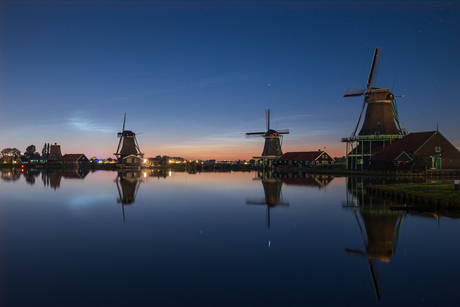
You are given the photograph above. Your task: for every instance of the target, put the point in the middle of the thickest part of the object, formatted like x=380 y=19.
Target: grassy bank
x=434 y=189
x=439 y=195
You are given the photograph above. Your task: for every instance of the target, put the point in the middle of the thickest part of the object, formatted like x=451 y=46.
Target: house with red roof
x=305 y=158
x=75 y=159
x=417 y=151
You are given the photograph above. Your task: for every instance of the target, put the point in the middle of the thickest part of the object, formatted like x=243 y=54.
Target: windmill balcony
x=372 y=137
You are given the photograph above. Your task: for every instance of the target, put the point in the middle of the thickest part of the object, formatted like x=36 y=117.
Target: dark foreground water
x=217 y=239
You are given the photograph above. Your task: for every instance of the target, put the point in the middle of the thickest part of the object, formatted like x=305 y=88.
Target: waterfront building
x=417 y=151
x=305 y=158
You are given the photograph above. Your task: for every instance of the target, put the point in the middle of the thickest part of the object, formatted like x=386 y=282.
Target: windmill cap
x=271 y=132
x=128 y=133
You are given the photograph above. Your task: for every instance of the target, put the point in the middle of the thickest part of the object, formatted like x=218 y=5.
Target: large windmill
x=273 y=142
x=128 y=143
x=381 y=122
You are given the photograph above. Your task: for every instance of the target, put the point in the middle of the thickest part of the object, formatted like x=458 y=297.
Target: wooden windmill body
x=381 y=123
x=273 y=141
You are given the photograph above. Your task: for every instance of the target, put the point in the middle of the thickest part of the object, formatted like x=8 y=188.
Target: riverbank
x=419 y=195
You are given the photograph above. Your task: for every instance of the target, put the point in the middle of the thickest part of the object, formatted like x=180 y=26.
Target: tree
x=11 y=152
x=46 y=150
x=30 y=150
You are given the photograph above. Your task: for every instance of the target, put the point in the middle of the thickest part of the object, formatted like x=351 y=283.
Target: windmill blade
x=124 y=121
x=254 y=134
x=119 y=143
x=283 y=131
x=256 y=202
x=267 y=116
x=354 y=92
x=360 y=115
x=376 y=279
x=374 y=68
x=355 y=253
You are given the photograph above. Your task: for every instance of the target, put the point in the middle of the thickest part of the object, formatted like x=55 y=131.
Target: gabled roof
x=71 y=157
x=302 y=155
x=392 y=156
x=409 y=144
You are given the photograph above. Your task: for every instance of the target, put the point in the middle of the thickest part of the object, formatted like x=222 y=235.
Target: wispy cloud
x=84 y=124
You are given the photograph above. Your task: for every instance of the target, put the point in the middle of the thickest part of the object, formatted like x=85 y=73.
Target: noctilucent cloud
x=194 y=77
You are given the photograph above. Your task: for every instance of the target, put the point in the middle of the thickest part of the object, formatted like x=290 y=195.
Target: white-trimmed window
x=437 y=148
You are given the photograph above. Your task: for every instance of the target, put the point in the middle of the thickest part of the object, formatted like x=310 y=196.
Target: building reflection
x=272 y=182
x=305 y=179
x=378 y=224
x=156 y=173
x=272 y=190
x=52 y=178
x=128 y=183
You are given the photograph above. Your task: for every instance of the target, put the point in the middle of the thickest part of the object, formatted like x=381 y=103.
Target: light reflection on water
x=239 y=238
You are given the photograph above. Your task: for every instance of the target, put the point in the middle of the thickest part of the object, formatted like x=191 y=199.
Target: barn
x=417 y=151
x=75 y=159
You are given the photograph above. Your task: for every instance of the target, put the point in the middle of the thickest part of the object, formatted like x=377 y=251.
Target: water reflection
x=128 y=183
x=52 y=178
x=10 y=174
x=378 y=224
x=305 y=179
x=272 y=190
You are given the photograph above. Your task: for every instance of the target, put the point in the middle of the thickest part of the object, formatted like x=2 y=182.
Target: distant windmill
x=128 y=142
x=273 y=139
x=382 y=114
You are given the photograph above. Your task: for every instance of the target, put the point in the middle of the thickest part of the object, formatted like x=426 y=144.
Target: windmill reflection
x=128 y=183
x=381 y=228
x=272 y=189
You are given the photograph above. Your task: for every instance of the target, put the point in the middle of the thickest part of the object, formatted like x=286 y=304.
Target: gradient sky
x=194 y=77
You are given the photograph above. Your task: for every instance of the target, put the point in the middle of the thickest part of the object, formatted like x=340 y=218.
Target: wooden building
x=417 y=151
x=305 y=158
x=75 y=159
x=131 y=161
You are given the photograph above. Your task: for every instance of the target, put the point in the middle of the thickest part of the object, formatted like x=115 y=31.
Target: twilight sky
x=194 y=77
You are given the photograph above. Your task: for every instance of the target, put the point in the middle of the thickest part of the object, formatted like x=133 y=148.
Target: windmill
x=273 y=139
x=381 y=122
x=128 y=142
x=381 y=114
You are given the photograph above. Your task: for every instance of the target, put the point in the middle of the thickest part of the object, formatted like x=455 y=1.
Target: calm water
x=217 y=239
